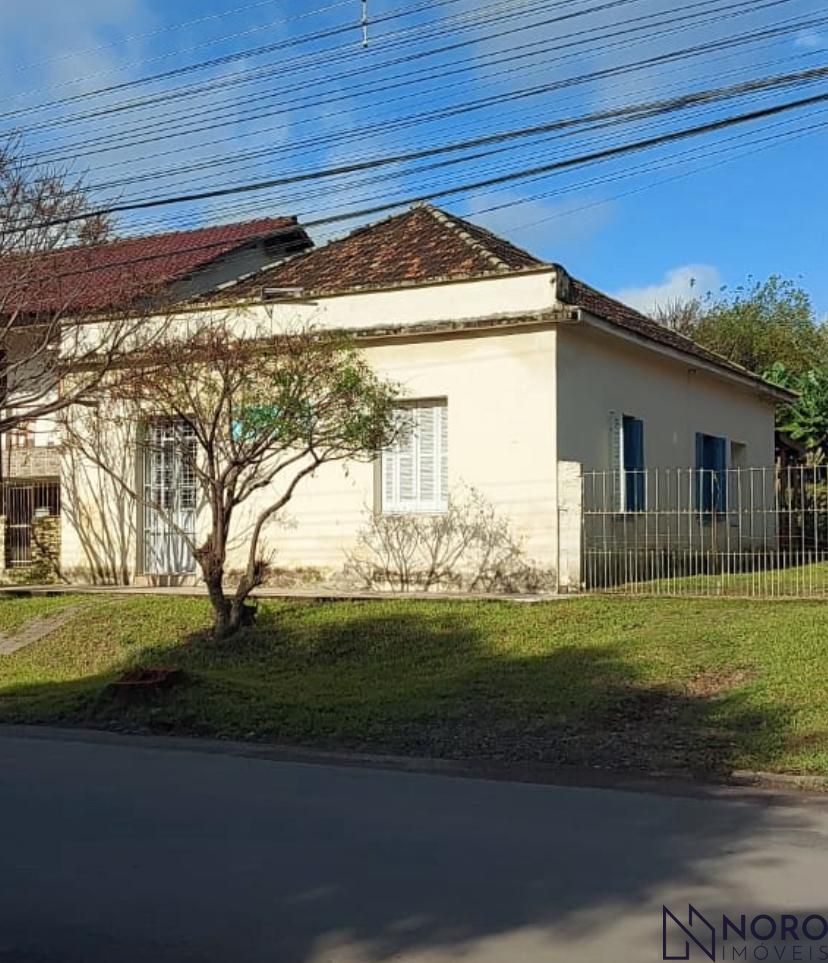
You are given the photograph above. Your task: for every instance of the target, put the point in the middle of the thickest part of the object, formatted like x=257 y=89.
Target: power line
x=158 y=121
x=650 y=166
x=453 y=110
x=402 y=174
x=180 y=25
x=514 y=176
x=120 y=67
x=635 y=111
x=583 y=159
x=261 y=50
x=235 y=160
x=593 y=157
x=406 y=165
x=292 y=67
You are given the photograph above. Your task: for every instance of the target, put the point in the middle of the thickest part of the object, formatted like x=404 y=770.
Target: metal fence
x=28 y=514
x=742 y=532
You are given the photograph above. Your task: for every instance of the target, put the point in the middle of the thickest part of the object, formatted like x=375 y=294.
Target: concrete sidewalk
x=320 y=594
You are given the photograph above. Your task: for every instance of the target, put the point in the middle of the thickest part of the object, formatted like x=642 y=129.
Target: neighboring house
x=84 y=280
x=520 y=379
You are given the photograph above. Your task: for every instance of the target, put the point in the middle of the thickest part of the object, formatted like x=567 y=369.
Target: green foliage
x=768 y=327
x=757 y=325
x=806 y=419
x=761 y=324
x=327 y=396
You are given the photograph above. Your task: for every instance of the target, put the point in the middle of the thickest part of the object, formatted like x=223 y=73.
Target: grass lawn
x=795 y=581
x=669 y=684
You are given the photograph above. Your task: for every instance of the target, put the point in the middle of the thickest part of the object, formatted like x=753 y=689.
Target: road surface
x=118 y=854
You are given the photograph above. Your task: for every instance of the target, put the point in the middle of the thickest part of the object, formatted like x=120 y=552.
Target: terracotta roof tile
x=95 y=277
x=422 y=244
x=427 y=244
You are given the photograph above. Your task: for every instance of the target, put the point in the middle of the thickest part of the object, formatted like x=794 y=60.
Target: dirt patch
x=813 y=741
x=712 y=682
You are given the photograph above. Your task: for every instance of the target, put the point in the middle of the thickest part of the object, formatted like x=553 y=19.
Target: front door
x=170 y=498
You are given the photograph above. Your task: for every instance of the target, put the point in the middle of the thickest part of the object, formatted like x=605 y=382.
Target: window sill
x=418 y=512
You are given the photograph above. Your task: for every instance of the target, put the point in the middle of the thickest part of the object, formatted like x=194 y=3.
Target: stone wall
x=46 y=548
x=44 y=567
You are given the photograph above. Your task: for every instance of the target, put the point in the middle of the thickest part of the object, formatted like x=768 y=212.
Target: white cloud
x=809 y=40
x=686 y=281
x=43 y=43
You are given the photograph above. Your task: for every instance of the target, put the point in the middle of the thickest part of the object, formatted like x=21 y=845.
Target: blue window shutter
x=711 y=473
x=640 y=479
x=701 y=486
x=634 y=464
x=720 y=474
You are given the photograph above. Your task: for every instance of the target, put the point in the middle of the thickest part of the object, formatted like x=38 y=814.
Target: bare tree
x=54 y=294
x=246 y=416
x=92 y=500
x=680 y=314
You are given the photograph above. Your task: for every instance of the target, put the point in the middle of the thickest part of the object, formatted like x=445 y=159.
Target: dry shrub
x=469 y=547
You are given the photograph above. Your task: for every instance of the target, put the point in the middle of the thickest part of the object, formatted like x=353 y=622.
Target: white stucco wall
x=508 y=294
x=528 y=407
x=500 y=391
x=599 y=373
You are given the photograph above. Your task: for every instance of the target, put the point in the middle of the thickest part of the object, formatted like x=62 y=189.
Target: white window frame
x=169 y=482
x=410 y=455
x=618 y=468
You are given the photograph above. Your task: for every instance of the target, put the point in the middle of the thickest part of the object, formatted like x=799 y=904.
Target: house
x=523 y=381
x=84 y=280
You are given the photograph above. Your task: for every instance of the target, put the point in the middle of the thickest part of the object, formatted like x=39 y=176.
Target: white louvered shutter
x=444 y=480
x=389 y=477
x=406 y=466
x=427 y=439
x=415 y=470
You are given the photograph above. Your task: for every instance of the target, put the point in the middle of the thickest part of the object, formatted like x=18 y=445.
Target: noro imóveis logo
x=680 y=937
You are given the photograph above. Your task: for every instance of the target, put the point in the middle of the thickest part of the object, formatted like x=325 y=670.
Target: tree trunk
x=212 y=570
x=222 y=622
x=240 y=613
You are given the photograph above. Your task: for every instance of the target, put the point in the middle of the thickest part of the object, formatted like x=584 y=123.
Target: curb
x=743 y=785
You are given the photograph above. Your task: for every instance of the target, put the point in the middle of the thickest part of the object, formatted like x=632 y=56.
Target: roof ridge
x=291 y=219
x=450 y=221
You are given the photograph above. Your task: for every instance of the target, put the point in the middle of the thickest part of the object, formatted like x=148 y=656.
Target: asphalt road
x=119 y=853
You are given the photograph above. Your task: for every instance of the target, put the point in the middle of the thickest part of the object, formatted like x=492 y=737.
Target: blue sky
x=748 y=201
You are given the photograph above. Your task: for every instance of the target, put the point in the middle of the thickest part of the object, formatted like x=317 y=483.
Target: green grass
x=667 y=684
x=797 y=581
x=15 y=611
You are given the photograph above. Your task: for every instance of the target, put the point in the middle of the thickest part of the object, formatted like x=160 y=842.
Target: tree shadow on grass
x=386 y=679
x=228 y=858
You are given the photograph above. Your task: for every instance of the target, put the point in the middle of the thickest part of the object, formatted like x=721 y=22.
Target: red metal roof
x=96 y=277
